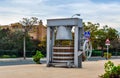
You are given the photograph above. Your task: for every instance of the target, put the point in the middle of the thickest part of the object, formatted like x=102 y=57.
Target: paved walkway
x=21 y=61
x=18 y=61
x=91 y=69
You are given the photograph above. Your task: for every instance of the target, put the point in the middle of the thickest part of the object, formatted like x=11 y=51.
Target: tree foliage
x=14 y=41
x=99 y=35
x=28 y=23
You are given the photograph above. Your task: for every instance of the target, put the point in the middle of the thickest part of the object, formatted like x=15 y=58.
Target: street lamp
x=72 y=17
x=75 y=15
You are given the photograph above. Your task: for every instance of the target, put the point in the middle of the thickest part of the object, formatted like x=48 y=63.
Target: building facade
x=37 y=32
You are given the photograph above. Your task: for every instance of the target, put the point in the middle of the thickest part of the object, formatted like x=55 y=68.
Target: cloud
x=26 y=1
x=103 y=13
x=10 y=19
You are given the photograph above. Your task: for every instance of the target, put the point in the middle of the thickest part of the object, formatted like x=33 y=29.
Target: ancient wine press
x=59 y=31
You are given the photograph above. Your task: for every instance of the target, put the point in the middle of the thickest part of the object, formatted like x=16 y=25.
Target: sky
x=104 y=12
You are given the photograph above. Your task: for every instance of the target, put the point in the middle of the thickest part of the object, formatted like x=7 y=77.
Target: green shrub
x=37 y=57
x=13 y=56
x=107 y=55
x=6 y=56
x=96 y=53
x=111 y=71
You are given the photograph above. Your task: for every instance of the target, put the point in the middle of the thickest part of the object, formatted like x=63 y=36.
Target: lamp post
x=24 y=29
x=75 y=15
x=24 y=43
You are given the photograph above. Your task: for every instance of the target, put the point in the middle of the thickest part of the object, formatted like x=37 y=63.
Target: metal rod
x=107 y=51
x=24 y=47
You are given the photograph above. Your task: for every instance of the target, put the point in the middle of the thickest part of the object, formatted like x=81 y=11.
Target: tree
x=98 y=36
x=12 y=40
x=27 y=25
x=104 y=33
x=92 y=28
